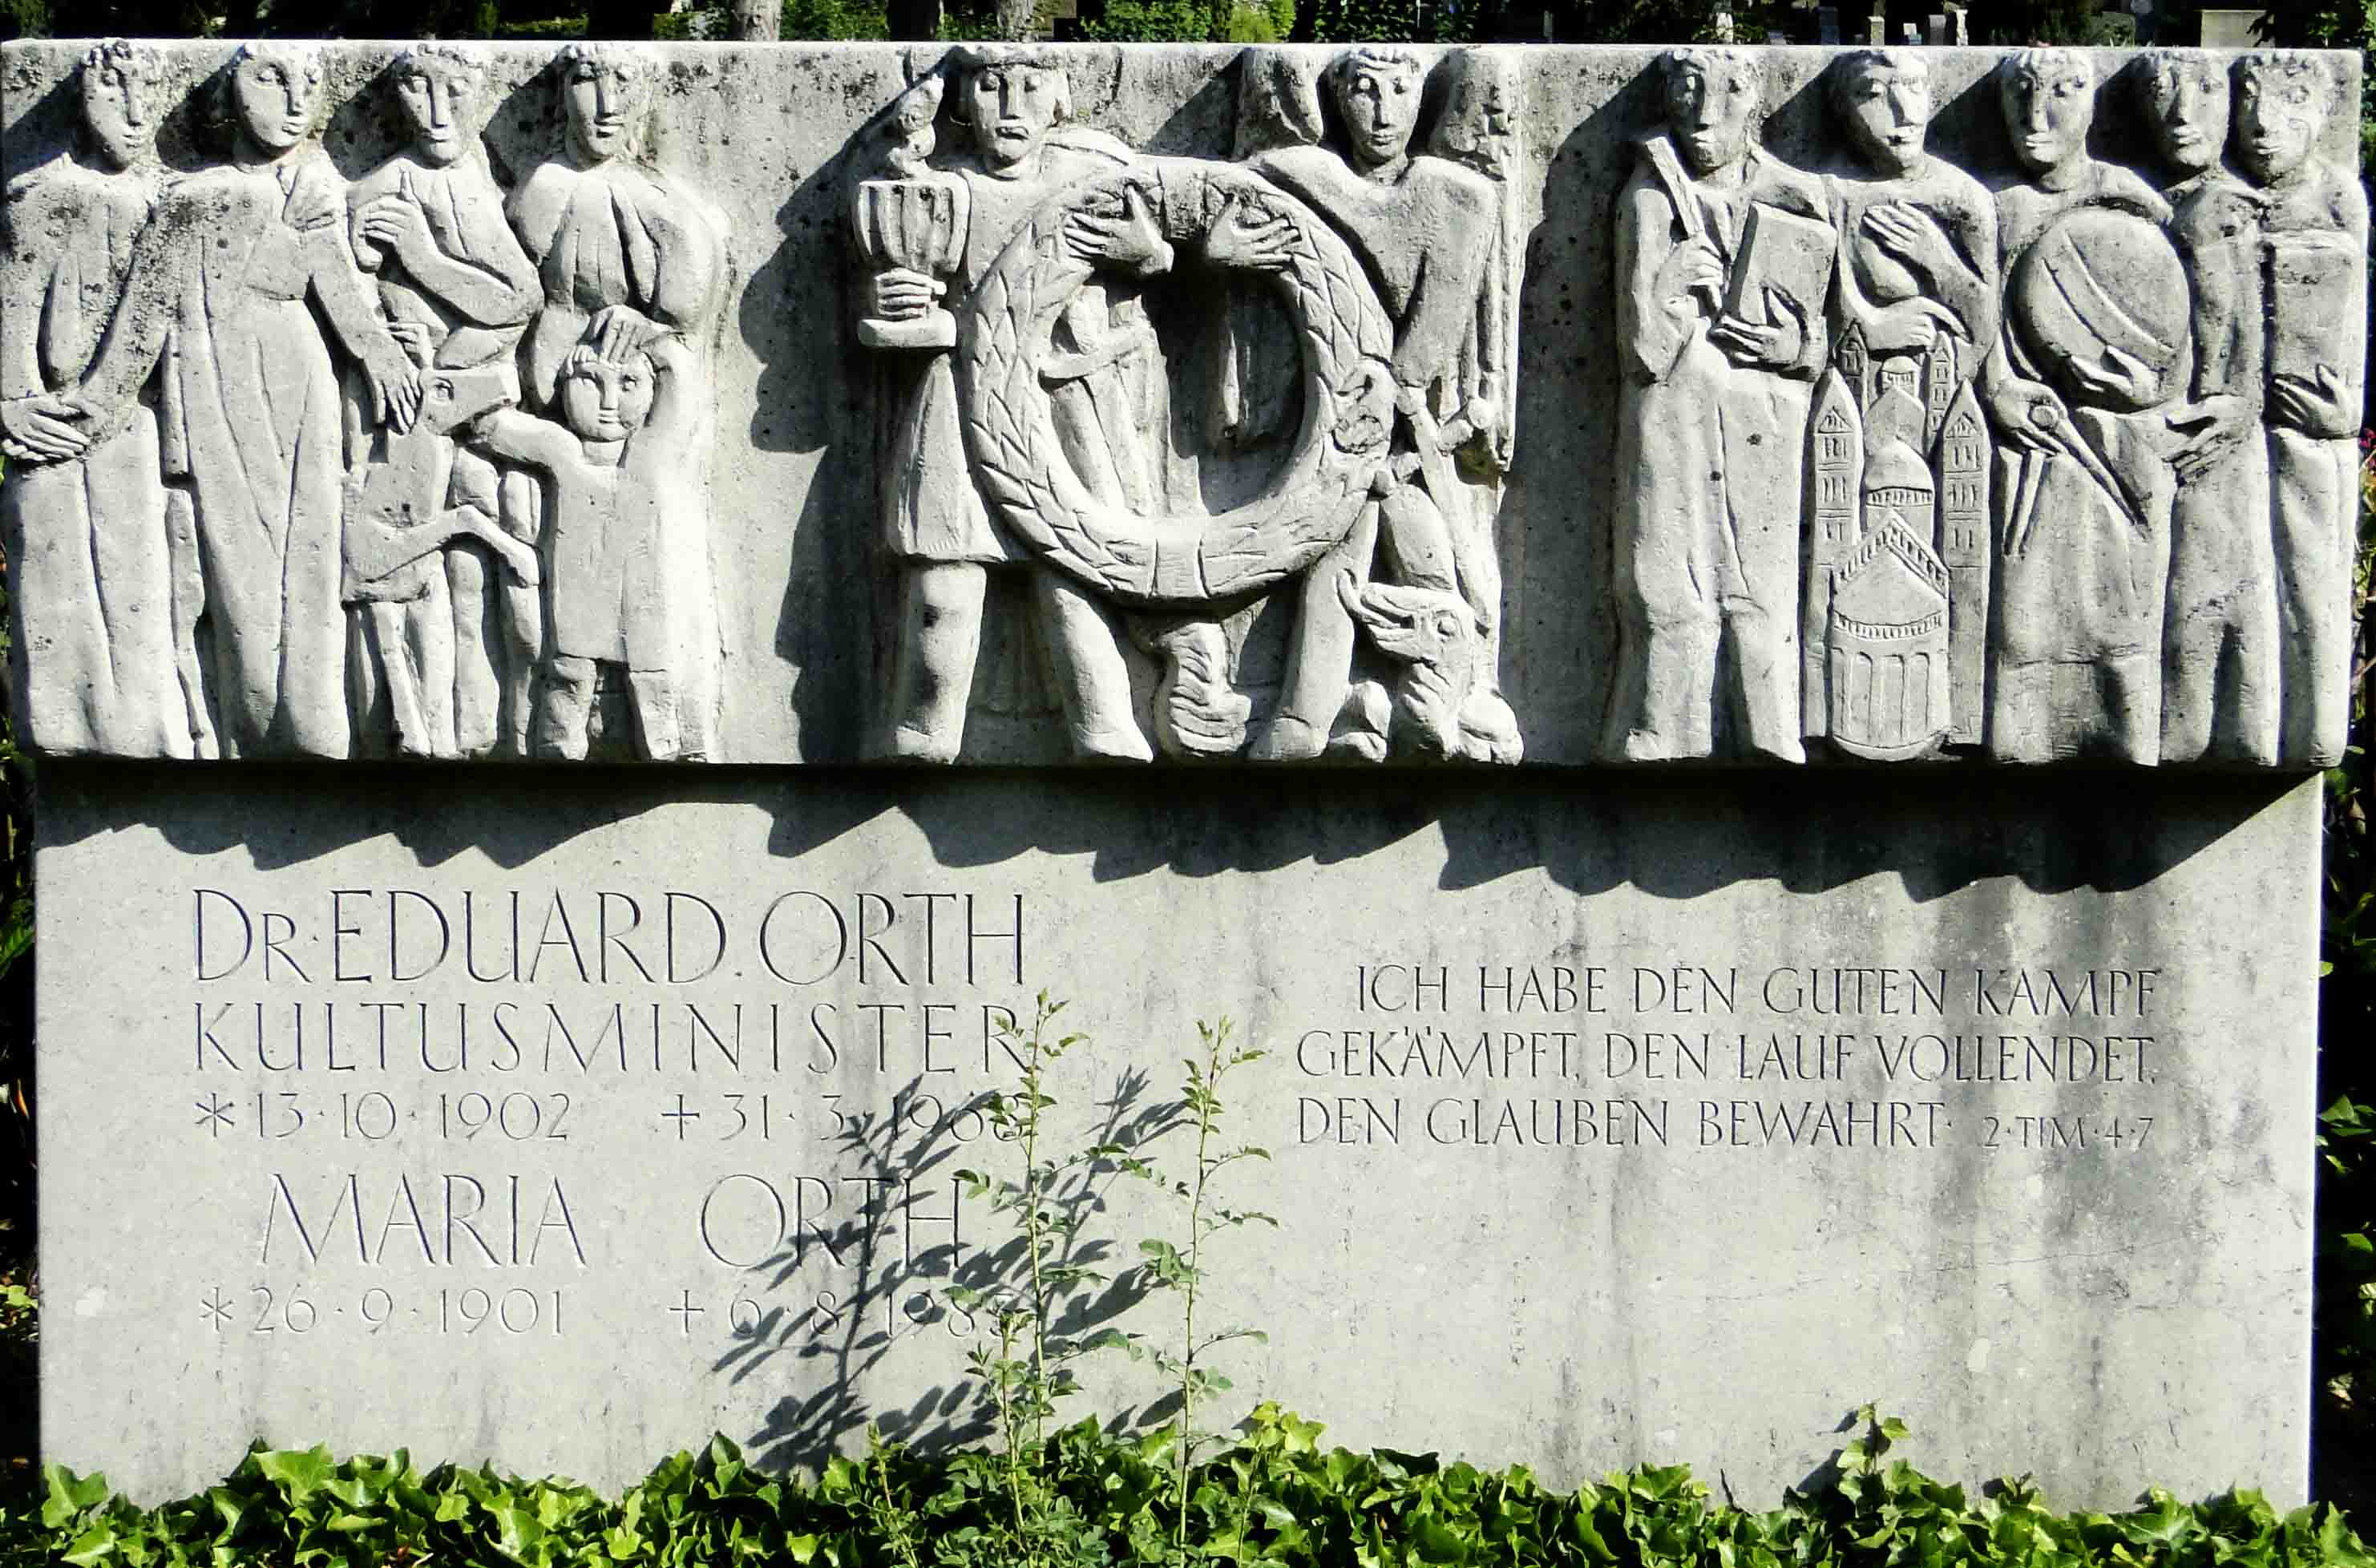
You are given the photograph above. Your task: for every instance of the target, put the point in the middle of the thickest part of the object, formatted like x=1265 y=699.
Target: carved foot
x=1118 y=745
x=1646 y=745
x=910 y=745
x=1287 y=739
x=1362 y=727
x=1490 y=729
x=1189 y=728
x=1197 y=713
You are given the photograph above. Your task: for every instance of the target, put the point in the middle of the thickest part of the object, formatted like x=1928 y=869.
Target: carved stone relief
x=96 y=557
x=629 y=258
x=306 y=391
x=1895 y=622
x=2312 y=234
x=1022 y=440
x=221 y=311
x=1724 y=256
x=2047 y=512
x=1198 y=441
x=423 y=545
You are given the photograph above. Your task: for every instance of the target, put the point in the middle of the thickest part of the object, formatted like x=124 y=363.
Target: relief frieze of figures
x=301 y=466
x=1201 y=444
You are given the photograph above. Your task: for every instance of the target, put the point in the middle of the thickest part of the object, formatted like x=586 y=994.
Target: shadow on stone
x=1674 y=833
x=836 y=1343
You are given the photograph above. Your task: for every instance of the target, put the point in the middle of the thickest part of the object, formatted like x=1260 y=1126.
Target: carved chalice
x=914 y=224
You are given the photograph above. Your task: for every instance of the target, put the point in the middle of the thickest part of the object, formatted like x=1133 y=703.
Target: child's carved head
x=605 y=399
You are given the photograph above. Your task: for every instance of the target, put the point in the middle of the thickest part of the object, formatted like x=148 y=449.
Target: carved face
x=439 y=98
x=1380 y=103
x=1012 y=107
x=604 y=399
x=111 y=107
x=1887 y=105
x=1485 y=96
x=275 y=96
x=2278 y=111
x=1708 y=107
x=2186 y=102
x=604 y=103
x=2047 y=107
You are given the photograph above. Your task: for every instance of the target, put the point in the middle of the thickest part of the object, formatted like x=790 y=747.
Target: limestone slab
x=1647 y=1118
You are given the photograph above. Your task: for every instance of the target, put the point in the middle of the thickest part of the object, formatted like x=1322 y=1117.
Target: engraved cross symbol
x=216 y=1308
x=681 y=1116
x=684 y=1309
x=214 y=1113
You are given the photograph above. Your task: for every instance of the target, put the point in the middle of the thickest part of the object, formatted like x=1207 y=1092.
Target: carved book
x=2314 y=281
x=1784 y=252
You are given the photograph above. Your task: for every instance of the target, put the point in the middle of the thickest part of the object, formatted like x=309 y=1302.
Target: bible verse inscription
x=1686 y=1056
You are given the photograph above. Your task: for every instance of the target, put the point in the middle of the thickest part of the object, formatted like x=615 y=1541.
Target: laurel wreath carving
x=1187 y=558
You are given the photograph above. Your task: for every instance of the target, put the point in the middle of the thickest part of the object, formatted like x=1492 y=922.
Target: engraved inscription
x=1690 y=1055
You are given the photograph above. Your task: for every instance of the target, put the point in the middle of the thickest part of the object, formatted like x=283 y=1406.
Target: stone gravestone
x=410 y=446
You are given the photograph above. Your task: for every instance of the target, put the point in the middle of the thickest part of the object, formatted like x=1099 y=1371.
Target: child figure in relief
x=614 y=465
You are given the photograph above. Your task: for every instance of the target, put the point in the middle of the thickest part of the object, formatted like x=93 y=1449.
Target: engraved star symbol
x=216 y=1308
x=214 y=1113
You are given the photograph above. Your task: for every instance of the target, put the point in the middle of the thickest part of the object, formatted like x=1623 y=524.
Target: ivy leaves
x=1274 y=1497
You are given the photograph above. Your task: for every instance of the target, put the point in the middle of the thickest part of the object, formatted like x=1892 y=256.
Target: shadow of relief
x=1672 y=834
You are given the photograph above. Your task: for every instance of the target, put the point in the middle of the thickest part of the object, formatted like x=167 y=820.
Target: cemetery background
x=2345 y=1443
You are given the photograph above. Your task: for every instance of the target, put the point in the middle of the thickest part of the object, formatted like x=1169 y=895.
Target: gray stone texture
x=2091 y=1261
x=687 y=412
x=821 y=404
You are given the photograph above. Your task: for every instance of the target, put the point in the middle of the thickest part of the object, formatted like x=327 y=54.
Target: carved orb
x=2100 y=301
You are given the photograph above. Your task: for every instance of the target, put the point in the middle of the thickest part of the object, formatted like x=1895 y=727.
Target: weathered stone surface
x=486 y=1128
x=1021 y=406
x=1015 y=405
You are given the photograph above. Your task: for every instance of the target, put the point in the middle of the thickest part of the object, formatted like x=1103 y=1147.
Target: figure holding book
x=1724 y=264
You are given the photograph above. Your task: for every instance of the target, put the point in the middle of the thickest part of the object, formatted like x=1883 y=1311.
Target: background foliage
x=2342 y=24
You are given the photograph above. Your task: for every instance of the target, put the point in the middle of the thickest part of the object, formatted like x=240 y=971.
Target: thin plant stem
x=1031 y=1229
x=1188 y=1295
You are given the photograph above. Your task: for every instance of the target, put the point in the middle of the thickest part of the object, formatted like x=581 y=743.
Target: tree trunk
x=913 y=21
x=1015 y=16
x=759 y=21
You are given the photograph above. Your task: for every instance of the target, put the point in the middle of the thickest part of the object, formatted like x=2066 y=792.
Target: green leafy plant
x=1278 y=1497
x=2344 y=1276
x=1026 y=1367
x=1182 y=1273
